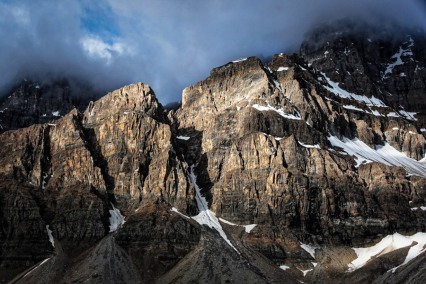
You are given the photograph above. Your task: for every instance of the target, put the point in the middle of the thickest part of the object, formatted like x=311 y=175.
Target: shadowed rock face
x=261 y=141
x=30 y=102
x=372 y=60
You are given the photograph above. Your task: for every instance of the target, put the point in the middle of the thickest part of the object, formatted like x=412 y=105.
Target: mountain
x=281 y=172
x=30 y=102
x=385 y=61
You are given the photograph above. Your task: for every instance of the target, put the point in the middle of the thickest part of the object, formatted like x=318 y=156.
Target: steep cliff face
x=30 y=102
x=286 y=164
x=68 y=173
x=291 y=151
x=383 y=61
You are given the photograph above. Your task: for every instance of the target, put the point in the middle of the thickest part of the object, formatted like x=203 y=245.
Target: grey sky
x=167 y=44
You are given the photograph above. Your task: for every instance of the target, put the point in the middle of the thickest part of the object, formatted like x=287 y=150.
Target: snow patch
x=239 y=60
x=43 y=183
x=176 y=211
x=278 y=86
x=116 y=220
x=383 y=154
x=423 y=208
x=206 y=217
x=316 y=146
x=403 y=114
x=227 y=222
x=41 y=263
x=249 y=228
x=56 y=113
x=284 y=267
x=49 y=234
x=279 y=111
x=373 y=112
x=281 y=68
x=388 y=244
x=373 y=101
x=305 y=271
x=183 y=138
x=309 y=249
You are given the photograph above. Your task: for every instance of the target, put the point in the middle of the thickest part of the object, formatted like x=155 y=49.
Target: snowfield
x=388 y=244
x=116 y=219
x=373 y=101
x=386 y=154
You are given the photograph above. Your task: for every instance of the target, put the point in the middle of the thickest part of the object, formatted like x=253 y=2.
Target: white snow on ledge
x=423 y=208
x=388 y=244
x=316 y=146
x=279 y=111
x=372 y=112
x=183 y=138
x=239 y=60
x=116 y=219
x=281 y=68
x=247 y=228
x=397 y=57
x=404 y=114
x=309 y=249
x=181 y=214
x=373 y=101
x=386 y=154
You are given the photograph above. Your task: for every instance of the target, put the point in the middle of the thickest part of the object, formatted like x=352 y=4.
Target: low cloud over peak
x=167 y=44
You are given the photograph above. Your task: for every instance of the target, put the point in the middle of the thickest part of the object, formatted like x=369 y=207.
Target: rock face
x=66 y=175
x=372 y=60
x=30 y=102
x=297 y=164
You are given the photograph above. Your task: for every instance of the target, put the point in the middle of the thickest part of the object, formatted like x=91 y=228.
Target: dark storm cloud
x=168 y=44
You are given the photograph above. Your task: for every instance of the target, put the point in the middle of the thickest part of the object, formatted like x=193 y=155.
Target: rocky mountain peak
x=372 y=60
x=131 y=98
x=240 y=79
x=31 y=102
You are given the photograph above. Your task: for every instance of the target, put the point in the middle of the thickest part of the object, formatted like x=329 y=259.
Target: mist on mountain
x=166 y=44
